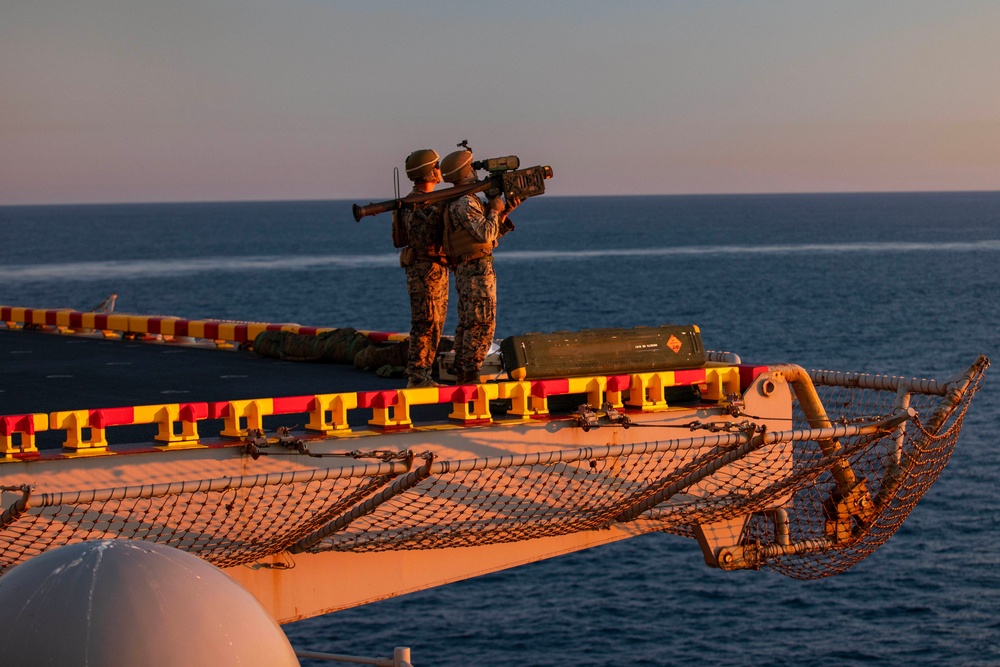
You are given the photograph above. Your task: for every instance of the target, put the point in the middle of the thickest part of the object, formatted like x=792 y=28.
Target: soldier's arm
x=481 y=221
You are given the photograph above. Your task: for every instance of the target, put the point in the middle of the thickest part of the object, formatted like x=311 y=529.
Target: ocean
x=905 y=284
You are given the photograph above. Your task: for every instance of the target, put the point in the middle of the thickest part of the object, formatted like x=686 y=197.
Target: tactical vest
x=459 y=245
x=419 y=229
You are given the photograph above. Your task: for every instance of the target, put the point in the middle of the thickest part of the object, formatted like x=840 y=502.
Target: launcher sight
x=497 y=164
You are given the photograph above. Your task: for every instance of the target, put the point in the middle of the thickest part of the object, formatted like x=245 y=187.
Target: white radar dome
x=125 y=602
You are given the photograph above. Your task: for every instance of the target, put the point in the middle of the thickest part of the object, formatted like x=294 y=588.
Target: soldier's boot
x=420 y=378
x=467 y=377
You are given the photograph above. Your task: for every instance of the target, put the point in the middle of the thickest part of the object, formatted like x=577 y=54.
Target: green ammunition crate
x=537 y=356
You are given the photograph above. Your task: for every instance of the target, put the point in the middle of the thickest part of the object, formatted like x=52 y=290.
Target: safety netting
x=814 y=498
x=827 y=535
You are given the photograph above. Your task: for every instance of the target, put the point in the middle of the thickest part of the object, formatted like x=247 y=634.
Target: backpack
x=400 y=239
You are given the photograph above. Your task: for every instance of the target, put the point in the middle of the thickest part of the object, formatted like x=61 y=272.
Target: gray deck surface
x=45 y=372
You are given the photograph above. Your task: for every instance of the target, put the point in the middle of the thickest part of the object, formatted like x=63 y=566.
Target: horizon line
x=128 y=202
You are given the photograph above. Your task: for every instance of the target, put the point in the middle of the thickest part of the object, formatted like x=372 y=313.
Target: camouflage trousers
x=476 y=284
x=427 y=283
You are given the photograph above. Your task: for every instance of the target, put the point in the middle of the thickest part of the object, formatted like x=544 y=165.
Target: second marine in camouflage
x=418 y=231
x=471 y=230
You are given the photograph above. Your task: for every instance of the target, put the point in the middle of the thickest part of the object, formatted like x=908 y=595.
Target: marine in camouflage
x=427 y=284
x=475 y=282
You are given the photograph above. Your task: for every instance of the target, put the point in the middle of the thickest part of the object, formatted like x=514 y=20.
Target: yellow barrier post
x=480 y=411
x=519 y=394
x=24 y=425
x=408 y=397
x=253 y=410
x=647 y=391
x=720 y=382
x=380 y=403
x=337 y=405
x=166 y=417
x=614 y=387
x=73 y=422
x=592 y=386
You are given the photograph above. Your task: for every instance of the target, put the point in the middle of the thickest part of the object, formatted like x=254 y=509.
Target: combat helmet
x=421 y=164
x=457 y=166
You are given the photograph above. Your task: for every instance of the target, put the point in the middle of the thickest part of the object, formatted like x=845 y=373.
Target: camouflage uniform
x=471 y=232
x=427 y=283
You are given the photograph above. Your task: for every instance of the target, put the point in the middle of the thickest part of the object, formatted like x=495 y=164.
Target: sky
x=217 y=100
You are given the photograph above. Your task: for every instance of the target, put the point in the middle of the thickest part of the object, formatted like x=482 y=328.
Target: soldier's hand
x=495 y=204
x=512 y=203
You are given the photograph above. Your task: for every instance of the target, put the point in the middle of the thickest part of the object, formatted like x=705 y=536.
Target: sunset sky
x=195 y=100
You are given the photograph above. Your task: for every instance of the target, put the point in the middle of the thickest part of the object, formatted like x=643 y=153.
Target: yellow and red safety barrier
x=69 y=321
x=178 y=423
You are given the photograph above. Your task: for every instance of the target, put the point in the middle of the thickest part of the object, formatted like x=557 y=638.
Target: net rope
x=676 y=484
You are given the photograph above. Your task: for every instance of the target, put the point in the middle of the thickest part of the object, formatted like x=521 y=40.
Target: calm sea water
x=906 y=284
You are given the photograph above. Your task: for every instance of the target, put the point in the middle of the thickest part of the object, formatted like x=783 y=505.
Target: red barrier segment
x=191 y=412
x=749 y=373
x=104 y=417
x=467 y=392
x=11 y=424
x=619 y=382
x=379 y=336
x=546 y=388
x=293 y=404
x=377 y=399
x=689 y=377
x=218 y=409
